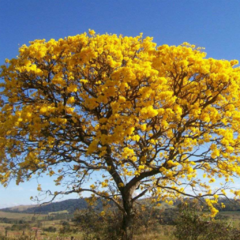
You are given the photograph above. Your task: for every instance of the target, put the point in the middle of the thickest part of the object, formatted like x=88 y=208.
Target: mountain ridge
x=70 y=205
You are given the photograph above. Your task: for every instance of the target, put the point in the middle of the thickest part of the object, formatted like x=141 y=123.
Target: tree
x=148 y=119
x=191 y=224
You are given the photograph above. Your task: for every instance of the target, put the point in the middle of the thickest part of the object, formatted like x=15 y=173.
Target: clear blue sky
x=211 y=24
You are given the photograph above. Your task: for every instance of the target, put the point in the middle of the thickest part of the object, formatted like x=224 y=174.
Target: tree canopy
x=150 y=119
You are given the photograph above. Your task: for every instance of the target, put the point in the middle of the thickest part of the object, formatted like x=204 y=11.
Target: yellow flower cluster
x=213 y=210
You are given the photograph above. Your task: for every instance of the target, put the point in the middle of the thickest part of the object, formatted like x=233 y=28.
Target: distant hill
x=72 y=205
x=67 y=205
x=19 y=208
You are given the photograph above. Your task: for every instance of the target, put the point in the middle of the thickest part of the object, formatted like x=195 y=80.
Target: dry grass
x=21 y=216
x=163 y=232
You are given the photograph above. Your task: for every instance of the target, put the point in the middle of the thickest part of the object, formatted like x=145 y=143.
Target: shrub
x=190 y=225
x=50 y=229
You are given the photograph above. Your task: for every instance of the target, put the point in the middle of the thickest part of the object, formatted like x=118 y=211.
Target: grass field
x=162 y=232
x=233 y=218
x=21 y=216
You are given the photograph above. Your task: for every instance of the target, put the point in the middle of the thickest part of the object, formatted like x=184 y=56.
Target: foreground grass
x=161 y=232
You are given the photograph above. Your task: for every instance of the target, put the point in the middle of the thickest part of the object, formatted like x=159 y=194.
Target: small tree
x=148 y=119
x=98 y=225
x=191 y=225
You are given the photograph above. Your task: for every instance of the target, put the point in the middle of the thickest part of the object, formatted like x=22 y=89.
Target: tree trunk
x=127 y=227
x=128 y=218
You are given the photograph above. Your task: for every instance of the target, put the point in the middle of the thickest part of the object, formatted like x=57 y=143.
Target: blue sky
x=211 y=24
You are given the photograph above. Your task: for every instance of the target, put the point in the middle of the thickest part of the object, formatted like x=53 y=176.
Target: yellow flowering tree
x=147 y=119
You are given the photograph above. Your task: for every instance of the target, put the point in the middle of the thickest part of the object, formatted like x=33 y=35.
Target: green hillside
x=71 y=205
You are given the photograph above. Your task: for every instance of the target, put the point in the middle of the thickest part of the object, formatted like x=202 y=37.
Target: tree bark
x=127 y=227
x=128 y=218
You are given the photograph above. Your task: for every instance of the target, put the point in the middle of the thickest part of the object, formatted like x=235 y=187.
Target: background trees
x=149 y=119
